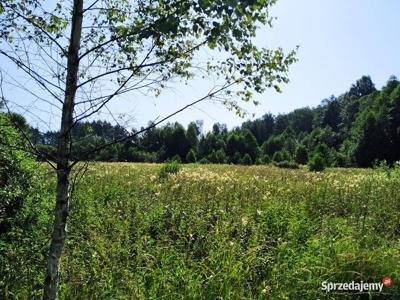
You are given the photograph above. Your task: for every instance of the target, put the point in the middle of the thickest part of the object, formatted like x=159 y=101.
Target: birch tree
x=79 y=55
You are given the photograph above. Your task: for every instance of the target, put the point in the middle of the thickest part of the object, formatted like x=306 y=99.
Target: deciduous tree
x=80 y=55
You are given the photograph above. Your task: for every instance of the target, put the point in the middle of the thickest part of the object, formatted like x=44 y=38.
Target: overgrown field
x=212 y=232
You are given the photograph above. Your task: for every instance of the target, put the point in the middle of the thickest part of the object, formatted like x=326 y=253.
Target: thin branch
x=14 y=82
x=34 y=75
x=116 y=38
x=113 y=94
x=90 y=6
x=35 y=150
x=128 y=89
x=41 y=29
x=141 y=66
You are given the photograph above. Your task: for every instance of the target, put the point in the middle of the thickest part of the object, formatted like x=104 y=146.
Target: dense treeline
x=358 y=128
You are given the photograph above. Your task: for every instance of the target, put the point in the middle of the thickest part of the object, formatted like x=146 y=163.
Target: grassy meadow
x=212 y=232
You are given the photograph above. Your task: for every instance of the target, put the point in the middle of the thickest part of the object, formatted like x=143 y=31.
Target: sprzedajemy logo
x=356 y=286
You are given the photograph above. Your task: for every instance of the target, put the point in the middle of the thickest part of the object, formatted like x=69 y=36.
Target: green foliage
x=375 y=132
x=141 y=156
x=273 y=144
x=266 y=159
x=191 y=156
x=259 y=161
x=17 y=172
x=204 y=161
x=341 y=160
x=246 y=160
x=172 y=32
x=25 y=217
x=176 y=158
x=237 y=158
x=354 y=129
x=192 y=134
x=301 y=156
x=281 y=156
x=172 y=167
x=326 y=153
x=290 y=145
x=251 y=145
x=317 y=163
x=221 y=156
x=287 y=164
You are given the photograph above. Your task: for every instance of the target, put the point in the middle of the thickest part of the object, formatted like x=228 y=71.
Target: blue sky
x=340 y=40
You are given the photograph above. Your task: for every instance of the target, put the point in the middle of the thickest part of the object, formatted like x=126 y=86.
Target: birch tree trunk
x=63 y=152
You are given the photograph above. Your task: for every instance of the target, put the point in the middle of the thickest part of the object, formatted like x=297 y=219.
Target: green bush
x=246 y=160
x=317 y=163
x=259 y=161
x=328 y=154
x=301 y=156
x=218 y=157
x=236 y=158
x=176 y=158
x=25 y=217
x=191 y=156
x=341 y=160
x=16 y=173
x=138 y=156
x=204 y=161
x=221 y=156
x=172 y=167
x=281 y=156
x=287 y=164
x=266 y=159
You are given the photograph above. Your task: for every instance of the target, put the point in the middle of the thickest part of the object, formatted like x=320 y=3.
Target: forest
x=359 y=128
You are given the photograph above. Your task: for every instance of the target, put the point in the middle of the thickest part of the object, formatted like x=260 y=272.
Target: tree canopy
x=373 y=134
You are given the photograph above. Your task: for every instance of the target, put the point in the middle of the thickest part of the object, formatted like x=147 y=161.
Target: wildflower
x=266 y=290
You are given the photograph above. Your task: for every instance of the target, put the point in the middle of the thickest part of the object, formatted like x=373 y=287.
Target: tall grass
x=216 y=232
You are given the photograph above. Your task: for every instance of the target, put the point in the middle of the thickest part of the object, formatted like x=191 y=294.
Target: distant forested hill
x=358 y=128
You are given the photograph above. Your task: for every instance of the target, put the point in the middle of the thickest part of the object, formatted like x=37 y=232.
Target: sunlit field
x=213 y=232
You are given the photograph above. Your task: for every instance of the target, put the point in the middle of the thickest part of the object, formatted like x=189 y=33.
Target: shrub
x=341 y=160
x=172 y=167
x=139 y=156
x=281 y=156
x=328 y=154
x=273 y=144
x=277 y=156
x=16 y=173
x=246 y=160
x=221 y=156
x=287 y=164
x=259 y=161
x=266 y=159
x=25 y=217
x=301 y=156
x=380 y=164
x=317 y=163
x=236 y=158
x=176 y=158
x=204 y=161
x=218 y=157
x=191 y=156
